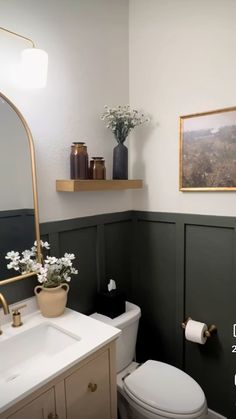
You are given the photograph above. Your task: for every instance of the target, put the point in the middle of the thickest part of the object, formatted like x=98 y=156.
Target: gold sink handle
x=16 y=316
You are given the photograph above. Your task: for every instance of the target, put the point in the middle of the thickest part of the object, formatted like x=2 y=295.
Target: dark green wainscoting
x=173 y=266
x=16 y=233
x=103 y=248
x=185 y=265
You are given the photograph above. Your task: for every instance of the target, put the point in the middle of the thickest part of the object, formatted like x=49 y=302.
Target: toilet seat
x=165 y=391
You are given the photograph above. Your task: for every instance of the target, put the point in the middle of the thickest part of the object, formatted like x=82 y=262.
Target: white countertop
x=89 y=334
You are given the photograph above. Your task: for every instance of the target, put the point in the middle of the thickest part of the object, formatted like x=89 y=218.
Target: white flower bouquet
x=122 y=119
x=51 y=273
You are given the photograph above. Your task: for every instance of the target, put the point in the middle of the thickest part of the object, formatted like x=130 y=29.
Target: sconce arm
x=20 y=36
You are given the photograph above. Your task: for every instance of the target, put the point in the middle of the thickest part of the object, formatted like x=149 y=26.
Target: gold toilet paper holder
x=211 y=330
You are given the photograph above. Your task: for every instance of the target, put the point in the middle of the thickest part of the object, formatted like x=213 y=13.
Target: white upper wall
x=182 y=61
x=87 y=43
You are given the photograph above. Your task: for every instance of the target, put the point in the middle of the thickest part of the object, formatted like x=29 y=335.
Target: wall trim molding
x=158 y=259
x=72 y=223
x=199 y=219
x=179 y=258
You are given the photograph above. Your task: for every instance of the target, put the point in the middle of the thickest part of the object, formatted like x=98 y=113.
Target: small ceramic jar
x=97 y=168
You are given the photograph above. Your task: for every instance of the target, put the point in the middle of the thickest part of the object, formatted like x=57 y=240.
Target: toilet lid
x=164 y=388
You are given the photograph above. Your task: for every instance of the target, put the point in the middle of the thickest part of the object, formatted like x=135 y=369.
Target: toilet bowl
x=156 y=390
x=153 y=390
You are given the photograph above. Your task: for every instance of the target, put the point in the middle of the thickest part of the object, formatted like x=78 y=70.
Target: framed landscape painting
x=208 y=151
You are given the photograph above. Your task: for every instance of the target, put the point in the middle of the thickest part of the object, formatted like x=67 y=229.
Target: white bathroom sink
x=42 y=349
x=31 y=350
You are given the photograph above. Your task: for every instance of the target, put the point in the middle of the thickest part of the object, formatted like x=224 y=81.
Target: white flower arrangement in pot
x=121 y=120
x=53 y=274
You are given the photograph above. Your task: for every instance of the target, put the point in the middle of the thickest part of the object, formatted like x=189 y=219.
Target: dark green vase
x=120 y=162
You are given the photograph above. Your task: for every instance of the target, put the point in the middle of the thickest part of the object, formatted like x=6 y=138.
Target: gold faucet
x=5 y=306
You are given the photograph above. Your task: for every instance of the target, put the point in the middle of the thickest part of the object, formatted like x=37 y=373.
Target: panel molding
x=202 y=358
x=113 y=243
x=53 y=232
x=84 y=222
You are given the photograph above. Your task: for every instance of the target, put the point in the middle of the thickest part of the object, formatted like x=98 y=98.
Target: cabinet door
x=43 y=407
x=88 y=390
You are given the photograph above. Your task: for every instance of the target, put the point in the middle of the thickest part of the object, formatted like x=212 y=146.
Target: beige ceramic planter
x=52 y=301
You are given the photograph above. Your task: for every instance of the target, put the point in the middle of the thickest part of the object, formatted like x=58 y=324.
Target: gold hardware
x=92 y=387
x=16 y=316
x=4 y=304
x=181 y=130
x=183 y=325
x=52 y=416
x=212 y=329
x=35 y=193
x=16 y=278
x=20 y=36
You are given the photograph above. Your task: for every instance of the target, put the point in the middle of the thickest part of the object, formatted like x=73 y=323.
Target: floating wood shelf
x=97 y=185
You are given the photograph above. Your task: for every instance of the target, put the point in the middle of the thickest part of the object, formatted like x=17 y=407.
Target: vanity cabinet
x=85 y=391
x=40 y=408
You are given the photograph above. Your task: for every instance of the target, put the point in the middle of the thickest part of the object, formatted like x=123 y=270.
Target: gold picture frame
x=207 y=151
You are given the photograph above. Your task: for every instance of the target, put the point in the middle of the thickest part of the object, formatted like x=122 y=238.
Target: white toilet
x=153 y=390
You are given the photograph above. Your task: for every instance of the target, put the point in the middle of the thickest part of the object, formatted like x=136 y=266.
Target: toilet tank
x=125 y=344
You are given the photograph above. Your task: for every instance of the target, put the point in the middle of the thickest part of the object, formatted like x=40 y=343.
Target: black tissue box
x=110 y=303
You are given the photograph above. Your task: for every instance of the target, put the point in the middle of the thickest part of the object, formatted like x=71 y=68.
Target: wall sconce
x=32 y=72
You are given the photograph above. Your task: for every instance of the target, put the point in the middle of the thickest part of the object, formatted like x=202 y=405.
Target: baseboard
x=214 y=415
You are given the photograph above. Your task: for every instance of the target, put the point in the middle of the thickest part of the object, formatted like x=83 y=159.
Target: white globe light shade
x=33 y=68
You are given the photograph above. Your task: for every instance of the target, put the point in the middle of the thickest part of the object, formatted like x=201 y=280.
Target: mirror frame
x=34 y=190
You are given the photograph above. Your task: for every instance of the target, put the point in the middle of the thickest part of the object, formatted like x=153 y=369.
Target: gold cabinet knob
x=92 y=387
x=52 y=416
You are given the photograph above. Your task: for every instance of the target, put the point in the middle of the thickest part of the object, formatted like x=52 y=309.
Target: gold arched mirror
x=19 y=217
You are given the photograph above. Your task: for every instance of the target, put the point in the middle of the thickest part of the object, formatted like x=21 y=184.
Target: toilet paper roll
x=194 y=332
